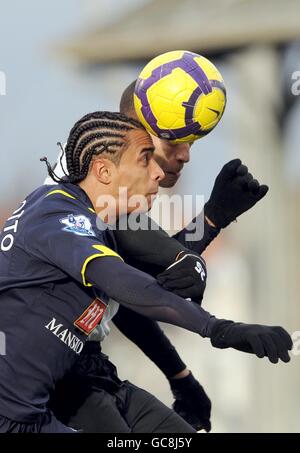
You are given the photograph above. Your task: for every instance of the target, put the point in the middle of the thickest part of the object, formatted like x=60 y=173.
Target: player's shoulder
x=59 y=198
x=67 y=203
x=64 y=205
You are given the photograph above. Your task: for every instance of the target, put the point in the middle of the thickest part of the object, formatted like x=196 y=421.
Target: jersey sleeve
x=194 y=241
x=142 y=293
x=152 y=249
x=149 y=245
x=149 y=337
x=66 y=236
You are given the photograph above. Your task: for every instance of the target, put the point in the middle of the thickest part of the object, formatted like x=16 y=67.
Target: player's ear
x=103 y=170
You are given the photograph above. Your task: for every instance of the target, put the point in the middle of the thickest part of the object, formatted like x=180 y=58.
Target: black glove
x=264 y=341
x=191 y=402
x=186 y=277
x=234 y=192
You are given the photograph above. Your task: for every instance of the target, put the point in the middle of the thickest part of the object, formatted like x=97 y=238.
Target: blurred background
x=62 y=59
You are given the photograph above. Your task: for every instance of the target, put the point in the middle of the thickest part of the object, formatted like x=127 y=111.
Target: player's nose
x=183 y=153
x=157 y=173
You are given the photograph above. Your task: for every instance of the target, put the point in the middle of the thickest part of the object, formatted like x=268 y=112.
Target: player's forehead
x=177 y=145
x=168 y=145
x=139 y=138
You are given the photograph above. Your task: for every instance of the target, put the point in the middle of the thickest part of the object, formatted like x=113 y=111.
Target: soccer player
x=60 y=268
x=235 y=191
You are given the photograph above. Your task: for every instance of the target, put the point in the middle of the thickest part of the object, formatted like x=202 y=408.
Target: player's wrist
x=181 y=385
x=182 y=374
x=216 y=215
x=218 y=333
x=187 y=386
x=210 y=223
x=181 y=254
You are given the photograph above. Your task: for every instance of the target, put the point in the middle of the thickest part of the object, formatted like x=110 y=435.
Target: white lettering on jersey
x=65 y=335
x=8 y=240
x=198 y=268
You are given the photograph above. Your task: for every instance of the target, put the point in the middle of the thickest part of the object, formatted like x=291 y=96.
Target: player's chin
x=150 y=200
x=144 y=206
x=169 y=180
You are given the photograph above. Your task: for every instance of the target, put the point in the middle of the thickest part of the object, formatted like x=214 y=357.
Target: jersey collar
x=77 y=192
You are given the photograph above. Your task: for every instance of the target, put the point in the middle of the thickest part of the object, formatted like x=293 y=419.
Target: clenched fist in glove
x=191 y=402
x=186 y=277
x=234 y=192
x=264 y=341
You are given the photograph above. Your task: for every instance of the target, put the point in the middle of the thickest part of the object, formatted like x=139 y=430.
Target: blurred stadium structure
x=56 y=70
x=214 y=26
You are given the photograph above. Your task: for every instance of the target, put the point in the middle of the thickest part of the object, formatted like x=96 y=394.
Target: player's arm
x=81 y=254
x=191 y=400
x=154 y=246
x=140 y=292
x=235 y=191
x=149 y=337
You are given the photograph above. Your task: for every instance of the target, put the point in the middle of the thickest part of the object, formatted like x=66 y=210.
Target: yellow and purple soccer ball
x=180 y=96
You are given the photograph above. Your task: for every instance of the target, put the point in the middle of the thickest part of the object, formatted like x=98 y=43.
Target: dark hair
x=126 y=102
x=95 y=133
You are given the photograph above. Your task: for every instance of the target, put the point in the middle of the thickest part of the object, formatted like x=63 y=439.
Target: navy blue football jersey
x=47 y=308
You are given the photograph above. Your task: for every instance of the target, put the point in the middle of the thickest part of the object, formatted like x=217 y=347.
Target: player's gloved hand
x=186 y=277
x=264 y=341
x=234 y=192
x=191 y=402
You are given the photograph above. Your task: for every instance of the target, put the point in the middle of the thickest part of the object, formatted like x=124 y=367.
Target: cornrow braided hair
x=94 y=134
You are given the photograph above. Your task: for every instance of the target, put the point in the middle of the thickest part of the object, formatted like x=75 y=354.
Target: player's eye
x=146 y=156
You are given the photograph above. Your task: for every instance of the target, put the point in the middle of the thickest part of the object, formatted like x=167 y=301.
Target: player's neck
x=104 y=202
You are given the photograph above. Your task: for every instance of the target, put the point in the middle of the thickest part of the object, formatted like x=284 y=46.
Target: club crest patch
x=91 y=317
x=78 y=224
